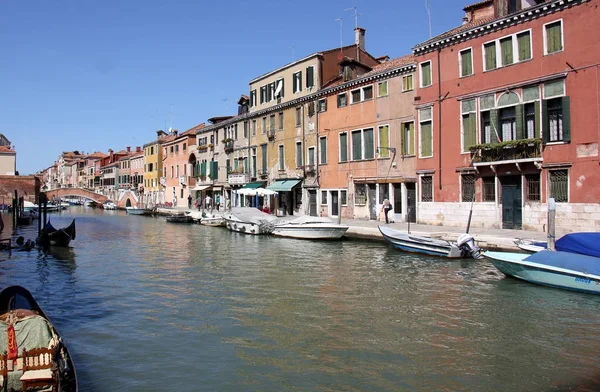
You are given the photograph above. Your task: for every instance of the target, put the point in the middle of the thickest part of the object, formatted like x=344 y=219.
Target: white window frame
x=362 y=94
x=413 y=82
x=421 y=73
x=362 y=144
x=319 y=105
x=326 y=155
x=515 y=49
x=460 y=62
x=299 y=84
x=562 y=36
x=386 y=89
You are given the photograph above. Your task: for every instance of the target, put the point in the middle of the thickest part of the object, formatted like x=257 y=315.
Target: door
x=372 y=201
x=397 y=199
x=335 y=205
x=411 y=200
x=312 y=203
x=512 y=216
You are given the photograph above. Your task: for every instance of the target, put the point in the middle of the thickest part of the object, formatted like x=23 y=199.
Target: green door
x=512 y=197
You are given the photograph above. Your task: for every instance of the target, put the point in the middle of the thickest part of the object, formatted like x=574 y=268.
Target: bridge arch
x=77 y=192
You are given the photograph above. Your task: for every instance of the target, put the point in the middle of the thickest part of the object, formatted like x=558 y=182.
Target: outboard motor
x=466 y=244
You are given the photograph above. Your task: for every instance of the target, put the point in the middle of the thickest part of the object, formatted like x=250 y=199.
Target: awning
x=283 y=185
x=201 y=187
x=253 y=185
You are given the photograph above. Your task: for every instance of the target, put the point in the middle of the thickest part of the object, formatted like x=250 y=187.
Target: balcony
x=271 y=134
x=310 y=170
x=512 y=151
x=206 y=147
x=238 y=178
x=187 y=180
x=263 y=173
x=228 y=145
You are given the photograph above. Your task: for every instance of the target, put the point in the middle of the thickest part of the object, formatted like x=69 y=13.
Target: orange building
x=178 y=166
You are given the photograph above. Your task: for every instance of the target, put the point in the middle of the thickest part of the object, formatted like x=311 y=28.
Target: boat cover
x=582 y=243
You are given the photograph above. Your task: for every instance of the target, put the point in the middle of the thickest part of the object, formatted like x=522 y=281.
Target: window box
x=506 y=151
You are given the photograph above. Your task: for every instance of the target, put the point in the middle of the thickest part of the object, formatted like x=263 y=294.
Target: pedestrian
x=207 y=202
x=387 y=207
x=189 y=201
x=218 y=202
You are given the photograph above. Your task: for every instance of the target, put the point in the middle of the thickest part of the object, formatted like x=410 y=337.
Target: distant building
x=8 y=157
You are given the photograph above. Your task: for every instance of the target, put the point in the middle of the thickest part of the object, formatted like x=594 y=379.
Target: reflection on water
x=146 y=305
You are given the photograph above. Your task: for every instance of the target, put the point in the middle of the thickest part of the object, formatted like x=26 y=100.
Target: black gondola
x=26 y=328
x=179 y=218
x=57 y=237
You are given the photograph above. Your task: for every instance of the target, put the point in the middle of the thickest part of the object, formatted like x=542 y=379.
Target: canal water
x=153 y=306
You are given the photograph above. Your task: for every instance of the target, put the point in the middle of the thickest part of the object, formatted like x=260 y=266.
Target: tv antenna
x=356 y=15
x=428 y=15
x=341 y=32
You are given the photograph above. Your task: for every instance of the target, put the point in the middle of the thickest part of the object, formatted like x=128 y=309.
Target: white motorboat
x=310 y=227
x=213 y=219
x=249 y=220
x=531 y=245
x=109 y=205
x=136 y=211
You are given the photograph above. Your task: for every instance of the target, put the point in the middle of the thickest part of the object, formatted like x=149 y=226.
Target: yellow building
x=154 y=178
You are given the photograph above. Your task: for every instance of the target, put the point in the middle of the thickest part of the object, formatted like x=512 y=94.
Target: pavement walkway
x=486 y=238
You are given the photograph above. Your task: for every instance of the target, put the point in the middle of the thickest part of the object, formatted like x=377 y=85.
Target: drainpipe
x=317 y=152
x=439 y=72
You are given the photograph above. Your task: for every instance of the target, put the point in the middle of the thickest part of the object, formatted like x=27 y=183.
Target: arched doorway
x=128 y=203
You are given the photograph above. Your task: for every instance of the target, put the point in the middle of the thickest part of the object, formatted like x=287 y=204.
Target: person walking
x=387 y=207
x=190 y=201
x=218 y=202
x=207 y=201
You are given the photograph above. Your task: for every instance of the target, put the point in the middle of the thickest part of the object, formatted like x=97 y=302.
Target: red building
x=508 y=114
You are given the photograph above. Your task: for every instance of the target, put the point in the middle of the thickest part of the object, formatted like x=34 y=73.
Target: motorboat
x=531 y=245
x=464 y=246
x=109 y=205
x=212 y=219
x=36 y=355
x=136 y=211
x=249 y=220
x=310 y=227
x=574 y=265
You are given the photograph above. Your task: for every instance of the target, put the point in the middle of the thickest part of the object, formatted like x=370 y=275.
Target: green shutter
x=411 y=145
x=524 y=44
x=537 y=118
x=494 y=126
x=469 y=131
x=545 y=123
x=554 y=37
x=356 y=146
x=343 y=147
x=403 y=140
x=246 y=165
x=519 y=110
x=506 y=49
x=215 y=170
x=426 y=74
x=310 y=77
x=384 y=138
x=466 y=66
x=369 y=145
x=203 y=169
x=282 y=94
x=566 y=118
x=426 y=139
x=490 y=56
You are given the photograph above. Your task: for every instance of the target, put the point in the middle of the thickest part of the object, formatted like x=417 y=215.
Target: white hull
x=135 y=211
x=243 y=227
x=313 y=232
x=212 y=222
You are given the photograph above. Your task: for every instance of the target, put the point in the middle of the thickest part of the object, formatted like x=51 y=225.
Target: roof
x=6 y=149
x=217 y=119
x=477 y=5
x=96 y=155
x=391 y=64
x=458 y=29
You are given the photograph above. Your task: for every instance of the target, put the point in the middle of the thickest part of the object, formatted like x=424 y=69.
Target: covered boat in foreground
x=249 y=220
x=33 y=353
x=310 y=227
x=464 y=247
x=574 y=265
x=51 y=236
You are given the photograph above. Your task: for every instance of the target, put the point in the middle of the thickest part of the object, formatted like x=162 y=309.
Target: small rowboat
x=34 y=354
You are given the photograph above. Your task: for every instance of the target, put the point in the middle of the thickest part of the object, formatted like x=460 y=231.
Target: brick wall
x=26 y=186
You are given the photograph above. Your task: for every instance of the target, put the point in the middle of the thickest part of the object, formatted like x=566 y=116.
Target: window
x=425 y=133
x=264 y=125
x=466 y=62
x=531 y=122
x=553 y=37
x=357 y=145
x=253 y=98
x=171 y=149
x=310 y=76
x=323 y=150
x=559 y=185
x=524 y=45
x=367 y=92
x=490 y=55
x=555 y=119
x=323 y=197
x=486 y=127
x=322 y=105
x=263 y=94
x=344 y=147
x=426 y=189
x=297 y=87
x=281 y=158
x=361 y=94
x=235 y=134
x=246 y=129
x=384 y=141
x=298 y=116
x=506 y=51
x=355 y=96
x=362 y=144
x=360 y=194
x=469 y=123
x=344 y=198
x=272 y=123
x=408 y=138
x=425 y=74
x=263 y=153
x=532 y=182
x=280 y=121
x=341 y=100
x=270 y=91
x=279 y=89
x=311 y=156
x=382 y=89
x=508 y=123
x=253 y=127
x=407 y=83
x=299 y=154
x=467 y=182
x=489 y=189
x=184 y=146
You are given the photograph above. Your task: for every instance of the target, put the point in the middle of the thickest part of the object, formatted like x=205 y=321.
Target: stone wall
x=26 y=186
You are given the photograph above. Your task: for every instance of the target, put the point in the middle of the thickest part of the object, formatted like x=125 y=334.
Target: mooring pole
x=551 y=223
x=15 y=210
x=40 y=199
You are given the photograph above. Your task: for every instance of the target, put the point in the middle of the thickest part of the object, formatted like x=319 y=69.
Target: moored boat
x=531 y=245
x=136 y=211
x=574 y=265
x=310 y=227
x=179 y=218
x=33 y=349
x=57 y=237
x=464 y=247
x=249 y=220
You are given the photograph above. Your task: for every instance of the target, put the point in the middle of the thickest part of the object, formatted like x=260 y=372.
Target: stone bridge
x=77 y=192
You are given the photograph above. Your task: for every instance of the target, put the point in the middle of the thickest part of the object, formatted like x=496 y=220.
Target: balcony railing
x=513 y=150
x=271 y=134
x=263 y=173
x=238 y=178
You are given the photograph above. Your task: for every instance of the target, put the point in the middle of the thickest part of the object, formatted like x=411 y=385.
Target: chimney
x=110 y=151
x=160 y=133
x=465 y=19
x=138 y=149
x=128 y=149
x=359 y=37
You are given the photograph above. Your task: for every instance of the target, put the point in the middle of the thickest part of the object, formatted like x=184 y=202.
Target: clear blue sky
x=91 y=75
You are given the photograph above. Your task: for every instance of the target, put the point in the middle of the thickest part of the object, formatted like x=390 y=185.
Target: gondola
x=57 y=237
x=34 y=353
x=179 y=218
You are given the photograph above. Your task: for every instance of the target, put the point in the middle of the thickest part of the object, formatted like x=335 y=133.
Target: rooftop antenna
x=171 y=118
x=341 y=33
x=428 y=15
x=356 y=15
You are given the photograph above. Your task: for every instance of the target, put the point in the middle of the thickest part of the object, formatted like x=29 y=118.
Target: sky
x=90 y=75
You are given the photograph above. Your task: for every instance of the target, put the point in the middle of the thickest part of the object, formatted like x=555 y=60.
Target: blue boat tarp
x=566 y=260
x=582 y=243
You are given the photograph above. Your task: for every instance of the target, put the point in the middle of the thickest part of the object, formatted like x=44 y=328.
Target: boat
x=179 y=218
x=57 y=237
x=574 y=265
x=29 y=206
x=137 y=211
x=249 y=220
x=531 y=245
x=25 y=219
x=310 y=227
x=213 y=221
x=463 y=247
x=33 y=343
x=109 y=205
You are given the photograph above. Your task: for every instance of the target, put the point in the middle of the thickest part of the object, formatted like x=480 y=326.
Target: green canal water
x=146 y=305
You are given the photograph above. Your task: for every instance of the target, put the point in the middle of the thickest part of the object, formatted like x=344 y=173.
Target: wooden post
x=15 y=210
x=41 y=198
x=339 y=218
x=551 y=223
